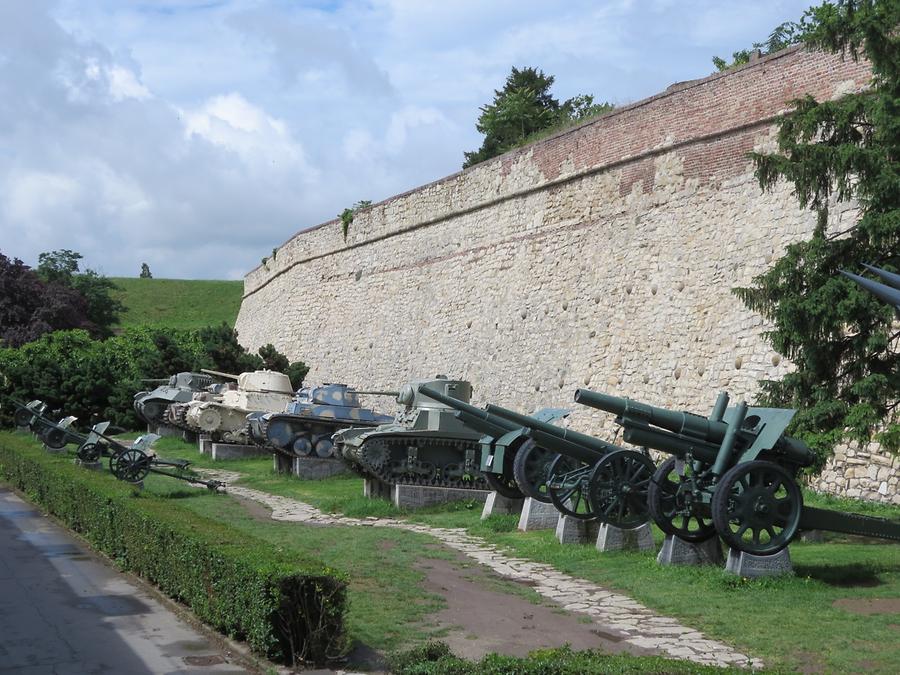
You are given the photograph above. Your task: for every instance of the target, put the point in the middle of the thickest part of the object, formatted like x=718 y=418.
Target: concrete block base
x=282 y=463
x=221 y=451
x=574 y=531
x=677 y=551
x=204 y=444
x=166 y=431
x=754 y=566
x=189 y=436
x=55 y=451
x=611 y=538
x=537 y=516
x=317 y=468
x=24 y=430
x=497 y=504
x=376 y=489
x=91 y=466
x=417 y=496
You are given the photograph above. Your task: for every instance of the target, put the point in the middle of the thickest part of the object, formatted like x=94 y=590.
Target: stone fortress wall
x=601 y=257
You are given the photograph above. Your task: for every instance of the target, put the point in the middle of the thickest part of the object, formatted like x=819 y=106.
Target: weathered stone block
x=497 y=504
x=168 y=432
x=24 y=430
x=537 y=516
x=753 y=566
x=574 y=531
x=204 y=444
x=223 y=451
x=317 y=468
x=376 y=489
x=611 y=538
x=282 y=464
x=90 y=466
x=417 y=496
x=676 y=551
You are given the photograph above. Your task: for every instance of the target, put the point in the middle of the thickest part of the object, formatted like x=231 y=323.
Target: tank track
x=333 y=427
x=380 y=454
x=178 y=418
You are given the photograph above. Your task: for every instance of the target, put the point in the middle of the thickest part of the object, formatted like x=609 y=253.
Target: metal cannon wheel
x=671 y=503
x=618 y=486
x=23 y=417
x=531 y=468
x=756 y=507
x=89 y=452
x=131 y=465
x=567 y=487
x=502 y=485
x=55 y=438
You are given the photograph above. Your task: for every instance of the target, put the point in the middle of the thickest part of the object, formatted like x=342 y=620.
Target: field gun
x=733 y=473
x=582 y=476
x=889 y=291
x=512 y=464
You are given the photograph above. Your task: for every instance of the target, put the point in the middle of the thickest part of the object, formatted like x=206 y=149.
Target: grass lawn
x=807 y=621
x=178 y=303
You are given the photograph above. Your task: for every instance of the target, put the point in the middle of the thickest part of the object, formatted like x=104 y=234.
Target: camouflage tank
x=150 y=406
x=306 y=425
x=425 y=445
x=226 y=419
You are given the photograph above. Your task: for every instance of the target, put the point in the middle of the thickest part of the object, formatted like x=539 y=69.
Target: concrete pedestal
x=376 y=489
x=677 y=551
x=497 y=504
x=611 y=538
x=417 y=496
x=571 y=530
x=189 y=436
x=316 y=468
x=754 y=566
x=91 y=466
x=166 y=431
x=221 y=451
x=282 y=464
x=537 y=516
x=24 y=430
x=204 y=444
x=55 y=451
x=812 y=536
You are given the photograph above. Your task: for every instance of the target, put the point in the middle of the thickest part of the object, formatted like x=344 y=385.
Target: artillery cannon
x=889 y=291
x=512 y=464
x=308 y=422
x=150 y=406
x=733 y=473
x=424 y=445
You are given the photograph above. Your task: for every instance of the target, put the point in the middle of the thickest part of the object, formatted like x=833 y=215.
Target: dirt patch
x=386 y=544
x=256 y=510
x=869 y=605
x=480 y=618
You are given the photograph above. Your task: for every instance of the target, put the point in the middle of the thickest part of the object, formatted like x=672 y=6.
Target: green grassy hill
x=178 y=303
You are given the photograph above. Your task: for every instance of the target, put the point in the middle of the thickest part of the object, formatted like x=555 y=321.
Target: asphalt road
x=64 y=610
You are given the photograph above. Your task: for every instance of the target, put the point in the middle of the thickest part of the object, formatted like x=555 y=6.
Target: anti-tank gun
x=582 y=476
x=733 y=473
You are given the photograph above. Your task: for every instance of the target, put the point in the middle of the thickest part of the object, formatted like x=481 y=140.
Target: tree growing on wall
x=523 y=108
x=785 y=35
x=841 y=339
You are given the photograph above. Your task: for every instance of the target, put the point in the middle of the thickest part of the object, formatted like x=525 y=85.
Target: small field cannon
x=733 y=473
x=582 y=476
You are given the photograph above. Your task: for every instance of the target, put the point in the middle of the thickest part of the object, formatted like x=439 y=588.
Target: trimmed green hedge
x=289 y=610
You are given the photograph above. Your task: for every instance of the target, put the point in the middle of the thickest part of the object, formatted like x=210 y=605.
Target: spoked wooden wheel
x=131 y=465
x=618 y=488
x=756 y=508
x=672 y=506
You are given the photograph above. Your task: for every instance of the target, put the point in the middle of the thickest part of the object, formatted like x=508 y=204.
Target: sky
x=197 y=135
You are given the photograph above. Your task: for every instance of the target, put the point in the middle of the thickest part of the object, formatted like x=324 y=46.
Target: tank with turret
x=223 y=416
x=425 y=444
x=150 y=406
x=304 y=428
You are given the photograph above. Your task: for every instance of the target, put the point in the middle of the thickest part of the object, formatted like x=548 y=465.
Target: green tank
x=425 y=445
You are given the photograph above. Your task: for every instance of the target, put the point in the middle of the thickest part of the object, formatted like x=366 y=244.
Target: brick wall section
x=603 y=256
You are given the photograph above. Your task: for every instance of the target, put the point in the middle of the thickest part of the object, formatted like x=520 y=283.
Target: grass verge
x=178 y=303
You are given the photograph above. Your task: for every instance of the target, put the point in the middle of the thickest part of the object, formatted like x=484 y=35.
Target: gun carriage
x=582 y=476
x=307 y=424
x=732 y=474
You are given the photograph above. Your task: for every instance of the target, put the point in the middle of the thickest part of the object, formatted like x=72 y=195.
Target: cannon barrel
x=230 y=376
x=682 y=423
x=395 y=394
x=456 y=404
x=488 y=425
x=545 y=433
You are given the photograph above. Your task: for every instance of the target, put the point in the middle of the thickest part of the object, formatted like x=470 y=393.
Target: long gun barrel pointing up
x=230 y=376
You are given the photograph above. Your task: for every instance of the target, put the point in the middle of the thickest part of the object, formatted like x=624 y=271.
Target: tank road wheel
x=671 y=505
x=23 y=417
x=618 y=488
x=531 y=468
x=567 y=487
x=756 y=507
x=55 y=438
x=502 y=485
x=131 y=465
x=89 y=452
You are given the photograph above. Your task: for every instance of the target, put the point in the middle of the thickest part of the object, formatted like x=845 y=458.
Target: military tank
x=306 y=425
x=150 y=406
x=225 y=417
x=175 y=414
x=425 y=445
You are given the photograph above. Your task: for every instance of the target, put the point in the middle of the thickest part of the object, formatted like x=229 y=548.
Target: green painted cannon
x=512 y=464
x=733 y=473
x=582 y=476
x=889 y=291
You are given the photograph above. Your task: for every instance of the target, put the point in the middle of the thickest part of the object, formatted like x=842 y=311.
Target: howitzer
x=503 y=445
x=889 y=291
x=733 y=473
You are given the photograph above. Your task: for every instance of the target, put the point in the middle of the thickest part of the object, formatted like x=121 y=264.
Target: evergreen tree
x=842 y=340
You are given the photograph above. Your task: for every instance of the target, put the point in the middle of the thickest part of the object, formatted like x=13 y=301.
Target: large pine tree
x=843 y=341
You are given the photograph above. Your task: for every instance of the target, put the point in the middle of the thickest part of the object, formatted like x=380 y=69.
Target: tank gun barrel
x=155 y=379
x=230 y=376
x=374 y=392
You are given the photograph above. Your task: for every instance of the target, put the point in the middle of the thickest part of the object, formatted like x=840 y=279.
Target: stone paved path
x=611 y=612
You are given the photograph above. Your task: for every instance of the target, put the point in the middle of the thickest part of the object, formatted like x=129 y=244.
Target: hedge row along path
x=637 y=624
